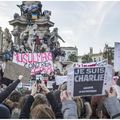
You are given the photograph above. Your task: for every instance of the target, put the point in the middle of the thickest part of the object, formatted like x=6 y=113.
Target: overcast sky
x=81 y=24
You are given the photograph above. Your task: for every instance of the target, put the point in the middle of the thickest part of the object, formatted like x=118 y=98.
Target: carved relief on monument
x=31 y=30
x=7 y=40
x=1 y=39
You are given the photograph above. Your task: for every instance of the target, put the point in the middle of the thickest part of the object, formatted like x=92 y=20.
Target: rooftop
x=69 y=48
x=94 y=54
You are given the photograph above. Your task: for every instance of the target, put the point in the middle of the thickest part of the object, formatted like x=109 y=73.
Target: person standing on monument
x=37 y=43
x=29 y=18
x=4 y=109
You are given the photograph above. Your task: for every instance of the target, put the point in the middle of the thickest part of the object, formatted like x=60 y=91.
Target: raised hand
x=65 y=96
x=20 y=77
x=111 y=92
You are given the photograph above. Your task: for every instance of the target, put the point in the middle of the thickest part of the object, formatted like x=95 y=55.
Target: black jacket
x=55 y=106
x=25 y=112
x=8 y=90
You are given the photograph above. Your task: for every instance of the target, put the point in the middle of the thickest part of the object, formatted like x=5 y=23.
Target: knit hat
x=4 y=112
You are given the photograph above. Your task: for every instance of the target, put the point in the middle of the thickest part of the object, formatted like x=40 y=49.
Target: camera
x=38 y=81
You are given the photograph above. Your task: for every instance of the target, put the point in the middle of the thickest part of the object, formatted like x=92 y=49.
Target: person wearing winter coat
x=69 y=107
x=26 y=110
x=9 y=89
x=112 y=104
x=4 y=110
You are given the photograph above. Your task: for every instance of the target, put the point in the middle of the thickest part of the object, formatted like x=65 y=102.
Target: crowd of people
x=42 y=103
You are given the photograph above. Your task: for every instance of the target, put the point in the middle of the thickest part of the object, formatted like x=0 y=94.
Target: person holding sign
x=112 y=104
x=54 y=106
x=69 y=107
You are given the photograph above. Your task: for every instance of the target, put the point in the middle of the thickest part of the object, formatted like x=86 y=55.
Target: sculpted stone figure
x=54 y=38
x=16 y=16
x=46 y=37
x=30 y=7
x=32 y=37
x=24 y=34
x=7 y=40
x=47 y=14
x=28 y=37
x=16 y=34
x=44 y=47
x=24 y=37
x=1 y=39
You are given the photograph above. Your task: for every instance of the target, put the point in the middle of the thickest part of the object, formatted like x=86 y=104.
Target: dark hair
x=116 y=73
x=118 y=82
x=102 y=108
x=15 y=96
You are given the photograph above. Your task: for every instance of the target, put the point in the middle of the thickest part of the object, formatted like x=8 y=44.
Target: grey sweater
x=112 y=106
x=69 y=109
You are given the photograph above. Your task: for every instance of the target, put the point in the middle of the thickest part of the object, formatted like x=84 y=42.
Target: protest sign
x=60 y=79
x=27 y=86
x=91 y=64
x=13 y=70
x=36 y=62
x=102 y=62
x=50 y=84
x=117 y=56
x=89 y=81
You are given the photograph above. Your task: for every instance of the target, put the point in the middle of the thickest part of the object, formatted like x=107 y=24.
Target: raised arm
x=9 y=89
x=69 y=107
x=55 y=107
x=60 y=38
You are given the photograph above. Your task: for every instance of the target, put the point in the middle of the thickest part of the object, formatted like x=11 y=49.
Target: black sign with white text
x=88 y=81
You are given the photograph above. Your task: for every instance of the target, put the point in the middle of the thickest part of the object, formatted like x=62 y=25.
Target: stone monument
x=7 y=40
x=31 y=13
x=31 y=30
x=1 y=41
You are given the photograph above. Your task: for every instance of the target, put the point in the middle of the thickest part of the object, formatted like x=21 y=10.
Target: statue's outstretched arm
x=60 y=38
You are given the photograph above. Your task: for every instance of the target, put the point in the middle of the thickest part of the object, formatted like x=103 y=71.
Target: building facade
x=96 y=57
x=69 y=51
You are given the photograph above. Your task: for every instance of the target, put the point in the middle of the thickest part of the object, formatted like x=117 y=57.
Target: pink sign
x=37 y=62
